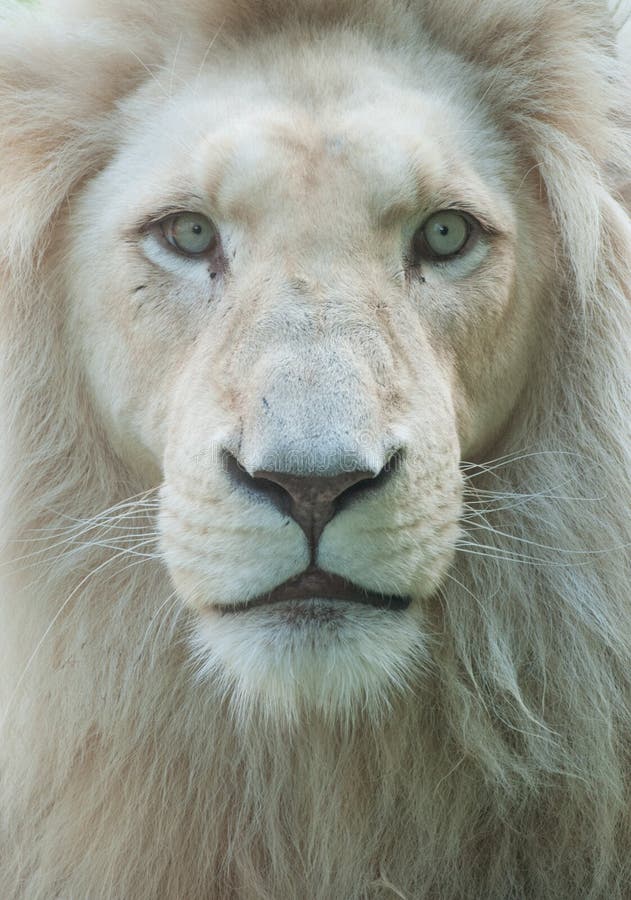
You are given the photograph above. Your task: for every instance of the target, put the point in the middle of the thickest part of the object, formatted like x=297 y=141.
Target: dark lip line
x=316 y=583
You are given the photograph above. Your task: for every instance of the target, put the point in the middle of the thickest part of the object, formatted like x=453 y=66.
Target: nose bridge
x=313 y=410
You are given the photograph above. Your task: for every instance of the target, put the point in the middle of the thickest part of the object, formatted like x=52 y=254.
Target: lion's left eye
x=443 y=235
x=190 y=233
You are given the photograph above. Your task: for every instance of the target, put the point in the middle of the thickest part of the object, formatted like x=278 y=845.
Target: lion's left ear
x=59 y=89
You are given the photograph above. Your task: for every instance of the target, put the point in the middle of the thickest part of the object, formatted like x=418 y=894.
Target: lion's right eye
x=444 y=235
x=190 y=233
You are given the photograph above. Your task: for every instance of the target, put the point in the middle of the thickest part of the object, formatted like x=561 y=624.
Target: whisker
x=471 y=548
x=491 y=466
x=82 y=548
x=72 y=541
x=207 y=54
x=140 y=505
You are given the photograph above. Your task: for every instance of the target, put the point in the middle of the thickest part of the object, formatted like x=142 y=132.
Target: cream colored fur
x=477 y=746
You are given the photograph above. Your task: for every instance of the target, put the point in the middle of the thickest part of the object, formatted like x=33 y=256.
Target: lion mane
x=505 y=772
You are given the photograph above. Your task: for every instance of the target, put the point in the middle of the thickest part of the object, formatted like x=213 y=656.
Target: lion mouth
x=316 y=584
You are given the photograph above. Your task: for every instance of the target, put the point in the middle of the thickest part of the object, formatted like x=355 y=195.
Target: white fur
x=155 y=746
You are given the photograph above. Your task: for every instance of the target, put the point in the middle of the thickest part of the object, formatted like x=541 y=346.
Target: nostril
x=262 y=487
x=368 y=485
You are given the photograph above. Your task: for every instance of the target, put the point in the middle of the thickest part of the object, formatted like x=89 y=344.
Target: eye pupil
x=192 y=234
x=444 y=234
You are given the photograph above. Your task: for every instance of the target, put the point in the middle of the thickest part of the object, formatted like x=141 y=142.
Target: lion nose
x=311 y=500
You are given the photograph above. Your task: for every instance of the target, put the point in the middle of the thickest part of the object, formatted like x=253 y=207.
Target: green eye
x=190 y=233
x=446 y=233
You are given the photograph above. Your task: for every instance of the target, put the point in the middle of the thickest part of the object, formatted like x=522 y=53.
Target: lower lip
x=314 y=613
x=319 y=610
x=319 y=586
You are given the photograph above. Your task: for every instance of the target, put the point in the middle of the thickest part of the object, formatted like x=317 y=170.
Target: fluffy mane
x=506 y=775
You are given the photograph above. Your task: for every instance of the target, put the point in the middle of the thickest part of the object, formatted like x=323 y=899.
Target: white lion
x=315 y=341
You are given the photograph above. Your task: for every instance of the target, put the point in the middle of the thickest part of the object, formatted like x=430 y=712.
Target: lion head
x=316 y=375
x=304 y=310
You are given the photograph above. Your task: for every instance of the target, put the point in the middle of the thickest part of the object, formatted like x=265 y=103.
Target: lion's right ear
x=59 y=90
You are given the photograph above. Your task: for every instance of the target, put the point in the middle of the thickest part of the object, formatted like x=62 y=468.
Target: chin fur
x=312 y=656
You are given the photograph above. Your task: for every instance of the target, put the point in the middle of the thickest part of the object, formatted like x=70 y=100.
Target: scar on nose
x=299 y=285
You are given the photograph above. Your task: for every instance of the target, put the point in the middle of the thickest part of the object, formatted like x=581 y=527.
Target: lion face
x=302 y=293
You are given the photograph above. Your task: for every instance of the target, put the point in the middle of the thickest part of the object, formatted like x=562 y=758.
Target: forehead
x=370 y=138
